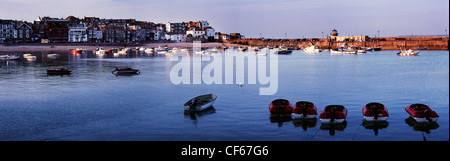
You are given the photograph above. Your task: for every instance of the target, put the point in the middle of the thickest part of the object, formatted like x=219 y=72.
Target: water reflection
x=421 y=126
x=280 y=119
x=193 y=115
x=375 y=125
x=305 y=123
x=333 y=127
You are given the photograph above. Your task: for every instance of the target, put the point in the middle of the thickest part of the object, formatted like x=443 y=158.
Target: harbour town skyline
x=280 y=19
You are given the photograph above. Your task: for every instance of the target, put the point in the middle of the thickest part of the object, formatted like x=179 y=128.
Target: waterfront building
x=196 y=33
x=78 y=33
x=115 y=33
x=8 y=32
x=176 y=37
x=175 y=27
x=24 y=32
x=94 y=33
x=334 y=37
x=56 y=30
x=210 y=33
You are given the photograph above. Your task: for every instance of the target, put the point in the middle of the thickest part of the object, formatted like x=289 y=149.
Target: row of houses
x=94 y=29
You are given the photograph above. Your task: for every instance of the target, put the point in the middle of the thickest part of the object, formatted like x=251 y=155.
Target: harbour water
x=94 y=104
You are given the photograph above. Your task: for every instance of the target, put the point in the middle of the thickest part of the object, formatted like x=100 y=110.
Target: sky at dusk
x=253 y=18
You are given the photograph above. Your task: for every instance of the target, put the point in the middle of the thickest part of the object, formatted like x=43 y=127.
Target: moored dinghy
x=200 y=103
x=333 y=114
x=375 y=112
x=422 y=113
x=125 y=71
x=280 y=107
x=61 y=71
x=304 y=110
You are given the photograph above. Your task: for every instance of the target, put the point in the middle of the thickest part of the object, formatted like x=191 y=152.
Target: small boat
x=9 y=57
x=61 y=71
x=261 y=54
x=125 y=71
x=312 y=49
x=76 y=51
x=280 y=107
x=337 y=52
x=254 y=49
x=148 y=50
x=200 y=103
x=52 y=56
x=214 y=50
x=29 y=57
x=422 y=113
x=333 y=114
x=360 y=51
x=284 y=52
x=375 y=112
x=304 y=109
x=408 y=53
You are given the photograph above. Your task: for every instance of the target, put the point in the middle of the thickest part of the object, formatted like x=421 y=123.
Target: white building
x=210 y=32
x=205 y=24
x=176 y=37
x=196 y=33
x=77 y=33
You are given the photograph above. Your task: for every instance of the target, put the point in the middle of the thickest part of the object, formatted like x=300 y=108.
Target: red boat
x=375 y=112
x=333 y=114
x=280 y=107
x=61 y=71
x=124 y=71
x=422 y=113
x=304 y=109
x=76 y=51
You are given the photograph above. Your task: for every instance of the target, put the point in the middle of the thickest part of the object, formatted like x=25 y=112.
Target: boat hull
x=127 y=71
x=422 y=113
x=202 y=102
x=375 y=112
x=285 y=52
x=304 y=110
x=58 y=72
x=333 y=114
x=280 y=107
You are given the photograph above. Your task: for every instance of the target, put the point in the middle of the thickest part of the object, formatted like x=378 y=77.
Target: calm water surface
x=94 y=104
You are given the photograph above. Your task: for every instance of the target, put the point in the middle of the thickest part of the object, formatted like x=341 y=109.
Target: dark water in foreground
x=94 y=104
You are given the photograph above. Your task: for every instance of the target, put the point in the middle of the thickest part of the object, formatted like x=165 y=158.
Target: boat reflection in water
x=333 y=127
x=193 y=115
x=375 y=125
x=421 y=126
x=280 y=119
x=305 y=123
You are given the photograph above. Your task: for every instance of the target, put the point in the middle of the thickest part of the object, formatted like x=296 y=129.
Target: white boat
x=334 y=52
x=261 y=54
x=29 y=57
x=123 y=51
x=100 y=51
x=361 y=51
x=148 y=50
x=312 y=49
x=52 y=56
x=200 y=103
x=200 y=52
x=142 y=49
x=9 y=57
x=214 y=50
x=408 y=53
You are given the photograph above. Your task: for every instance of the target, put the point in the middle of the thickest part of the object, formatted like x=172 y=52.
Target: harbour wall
x=386 y=43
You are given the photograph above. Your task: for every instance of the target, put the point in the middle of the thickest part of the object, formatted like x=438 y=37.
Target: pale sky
x=252 y=18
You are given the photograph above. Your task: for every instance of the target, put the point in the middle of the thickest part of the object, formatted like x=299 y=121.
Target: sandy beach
x=48 y=47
